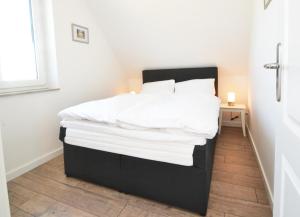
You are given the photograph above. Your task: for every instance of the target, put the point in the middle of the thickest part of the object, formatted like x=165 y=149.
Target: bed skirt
x=186 y=187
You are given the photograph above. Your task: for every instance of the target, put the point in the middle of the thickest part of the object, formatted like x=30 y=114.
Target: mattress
x=170 y=146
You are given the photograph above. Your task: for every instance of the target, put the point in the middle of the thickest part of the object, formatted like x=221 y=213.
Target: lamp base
x=231 y=103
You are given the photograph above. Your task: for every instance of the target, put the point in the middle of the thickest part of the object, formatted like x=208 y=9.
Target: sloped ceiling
x=180 y=33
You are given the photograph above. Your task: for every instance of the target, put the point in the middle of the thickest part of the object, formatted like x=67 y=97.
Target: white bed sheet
x=158 y=145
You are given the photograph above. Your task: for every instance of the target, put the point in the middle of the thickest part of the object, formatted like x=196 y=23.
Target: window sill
x=36 y=90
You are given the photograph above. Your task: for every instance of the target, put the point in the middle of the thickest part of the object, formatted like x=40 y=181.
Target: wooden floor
x=237 y=189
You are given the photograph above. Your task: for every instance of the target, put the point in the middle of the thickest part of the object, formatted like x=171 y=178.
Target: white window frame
x=45 y=53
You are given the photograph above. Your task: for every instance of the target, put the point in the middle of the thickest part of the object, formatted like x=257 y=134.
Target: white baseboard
x=267 y=185
x=33 y=164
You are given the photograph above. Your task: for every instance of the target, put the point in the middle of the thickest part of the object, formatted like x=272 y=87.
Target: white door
x=287 y=154
x=4 y=205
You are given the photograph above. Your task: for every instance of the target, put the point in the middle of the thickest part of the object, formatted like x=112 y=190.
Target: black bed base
x=182 y=186
x=186 y=187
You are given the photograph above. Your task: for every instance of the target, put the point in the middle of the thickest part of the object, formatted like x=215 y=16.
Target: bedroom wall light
x=231 y=98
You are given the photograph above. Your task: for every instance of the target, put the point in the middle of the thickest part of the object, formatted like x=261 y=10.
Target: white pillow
x=204 y=86
x=159 y=87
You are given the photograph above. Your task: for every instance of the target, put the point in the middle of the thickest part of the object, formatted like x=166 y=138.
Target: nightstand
x=236 y=108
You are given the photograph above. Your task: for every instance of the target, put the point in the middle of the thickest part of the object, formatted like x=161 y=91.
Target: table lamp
x=231 y=98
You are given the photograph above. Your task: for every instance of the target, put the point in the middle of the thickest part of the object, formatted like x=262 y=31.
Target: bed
x=186 y=186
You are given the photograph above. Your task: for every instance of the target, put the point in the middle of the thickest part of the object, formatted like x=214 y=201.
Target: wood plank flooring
x=237 y=190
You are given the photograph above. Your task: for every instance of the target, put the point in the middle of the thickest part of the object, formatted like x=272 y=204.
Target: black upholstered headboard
x=183 y=74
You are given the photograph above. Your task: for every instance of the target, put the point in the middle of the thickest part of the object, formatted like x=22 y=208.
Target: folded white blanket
x=151 y=135
x=196 y=113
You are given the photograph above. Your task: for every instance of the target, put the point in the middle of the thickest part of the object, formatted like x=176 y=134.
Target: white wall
x=180 y=33
x=262 y=94
x=86 y=71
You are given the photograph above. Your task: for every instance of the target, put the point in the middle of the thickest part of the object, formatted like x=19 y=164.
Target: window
x=25 y=47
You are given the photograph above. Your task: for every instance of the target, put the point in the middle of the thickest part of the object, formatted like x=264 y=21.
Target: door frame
x=4 y=202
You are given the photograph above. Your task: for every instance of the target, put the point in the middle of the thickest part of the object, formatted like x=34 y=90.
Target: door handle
x=276 y=66
x=272 y=66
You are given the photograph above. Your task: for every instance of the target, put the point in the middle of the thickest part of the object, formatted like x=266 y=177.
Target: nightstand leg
x=220 y=121
x=243 y=122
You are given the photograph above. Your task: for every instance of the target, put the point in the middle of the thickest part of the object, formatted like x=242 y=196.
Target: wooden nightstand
x=236 y=108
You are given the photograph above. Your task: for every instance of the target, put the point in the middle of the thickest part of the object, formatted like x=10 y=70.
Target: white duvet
x=195 y=113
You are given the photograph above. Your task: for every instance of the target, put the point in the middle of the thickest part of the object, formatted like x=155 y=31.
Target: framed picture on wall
x=267 y=3
x=80 y=33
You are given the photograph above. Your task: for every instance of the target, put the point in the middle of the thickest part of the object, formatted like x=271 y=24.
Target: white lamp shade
x=231 y=97
x=134 y=85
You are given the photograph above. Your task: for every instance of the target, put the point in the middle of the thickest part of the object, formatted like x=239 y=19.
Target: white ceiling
x=165 y=33
x=176 y=33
